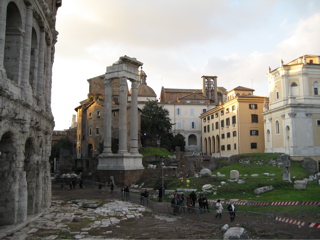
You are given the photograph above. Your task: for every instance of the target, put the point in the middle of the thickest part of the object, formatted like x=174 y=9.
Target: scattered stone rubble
x=101 y=215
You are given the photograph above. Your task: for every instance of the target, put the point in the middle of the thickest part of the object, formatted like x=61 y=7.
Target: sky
x=178 y=41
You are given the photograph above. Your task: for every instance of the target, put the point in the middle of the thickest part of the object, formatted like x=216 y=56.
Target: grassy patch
x=154 y=151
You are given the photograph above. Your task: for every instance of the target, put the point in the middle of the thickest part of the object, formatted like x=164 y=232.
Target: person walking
x=232 y=211
x=193 y=197
x=205 y=203
x=219 y=209
x=175 y=204
x=200 y=201
x=111 y=187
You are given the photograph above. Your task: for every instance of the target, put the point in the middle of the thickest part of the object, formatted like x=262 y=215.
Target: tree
x=155 y=124
x=178 y=141
x=64 y=143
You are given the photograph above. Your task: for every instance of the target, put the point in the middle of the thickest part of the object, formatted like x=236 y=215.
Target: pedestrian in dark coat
x=232 y=211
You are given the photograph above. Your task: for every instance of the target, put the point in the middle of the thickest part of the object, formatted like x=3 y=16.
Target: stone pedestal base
x=121 y=178
x=125 y=168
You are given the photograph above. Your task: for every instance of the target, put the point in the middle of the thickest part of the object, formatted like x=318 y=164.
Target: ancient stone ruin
x=125 y=166
x=27 y=40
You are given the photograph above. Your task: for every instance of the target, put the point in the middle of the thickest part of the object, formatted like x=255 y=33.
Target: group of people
x=178 y=204
x=72 y=184
x=231 y=208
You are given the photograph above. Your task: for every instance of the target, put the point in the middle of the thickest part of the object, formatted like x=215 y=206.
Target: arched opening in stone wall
x=192 y=140
x=31 y=170
x=7 y=202
x=13 y=43
x=213 y=144
x=218 y=143
x=33 y=62
x=205 y=145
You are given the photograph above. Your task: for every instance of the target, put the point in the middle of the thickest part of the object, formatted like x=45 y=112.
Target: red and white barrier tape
x=289 y=220
x=314 y=225
x=285 y=203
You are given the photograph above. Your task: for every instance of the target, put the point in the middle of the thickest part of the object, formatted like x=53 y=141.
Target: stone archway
x=7 y=196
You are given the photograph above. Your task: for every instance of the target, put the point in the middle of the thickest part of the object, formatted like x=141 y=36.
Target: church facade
x=292 y=120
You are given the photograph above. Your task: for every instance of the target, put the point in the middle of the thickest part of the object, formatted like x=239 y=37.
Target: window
x=208 y=118
x=228 y=134
x=212 y=116
x=222 y=123
x=234 y=133
x=222 y=148
x=90 y=115
x=228 y=122
x=192 y=112
x=316 y=88
x=253 y=145
x=204 y=110
x=227 y=110
x=90 y=132
x=222 y=135
x=234 y=121
x=254 y=132
x=193 y=125
x=212 y=126
x=178 y=111
x=318 y=122
x=179 y=126
x=217 y=125
x=208 y=127
x=233 y=107
x=277 y=127
x=222 y=113
x=97 y=131
x=171 y=95
x=253 y=106
x=205 y=129
x=276 y=93
x=235 y=146
x=188 y=101
x=217 y=115
x=194 y=96
x=254 y=118
x=228 y=147
x=98 y=114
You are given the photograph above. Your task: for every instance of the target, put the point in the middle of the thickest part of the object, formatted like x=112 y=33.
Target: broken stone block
x=263 y=189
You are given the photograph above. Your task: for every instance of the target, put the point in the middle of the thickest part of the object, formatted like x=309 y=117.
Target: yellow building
x=292 y=121
x=236 y=126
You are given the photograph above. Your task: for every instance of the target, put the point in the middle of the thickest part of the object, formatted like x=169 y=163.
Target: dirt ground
x=162 y=224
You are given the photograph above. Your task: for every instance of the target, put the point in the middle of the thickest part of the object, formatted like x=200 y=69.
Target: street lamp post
x=162 y=183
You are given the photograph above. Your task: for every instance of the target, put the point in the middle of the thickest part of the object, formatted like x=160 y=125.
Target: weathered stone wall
x=27 y=39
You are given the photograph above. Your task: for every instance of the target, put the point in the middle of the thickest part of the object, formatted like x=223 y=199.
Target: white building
x=186 y=105
x=292 y=120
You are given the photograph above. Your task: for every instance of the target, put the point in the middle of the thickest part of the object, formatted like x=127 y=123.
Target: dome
x=145 y=90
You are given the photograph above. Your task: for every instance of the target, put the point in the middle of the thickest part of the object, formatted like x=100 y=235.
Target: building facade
x=27 y=43
x=292 y=120
x=236 y=126
x=186 y=105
